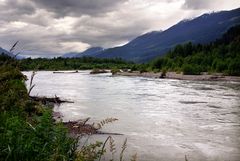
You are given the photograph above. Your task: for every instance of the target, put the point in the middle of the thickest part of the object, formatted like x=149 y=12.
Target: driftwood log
x=98 y=71
x=46 y=100
x=56 y=72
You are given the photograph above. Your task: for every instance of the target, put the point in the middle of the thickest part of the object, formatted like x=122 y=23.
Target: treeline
x=221 y=56
x=72 y=63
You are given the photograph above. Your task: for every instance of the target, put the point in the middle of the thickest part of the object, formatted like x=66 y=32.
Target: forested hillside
x=222 y=55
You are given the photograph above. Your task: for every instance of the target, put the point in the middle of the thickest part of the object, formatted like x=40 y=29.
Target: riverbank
x=174 y=75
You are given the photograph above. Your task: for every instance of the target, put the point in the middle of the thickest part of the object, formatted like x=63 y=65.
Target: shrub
x=27 y=131
x=189 y=69
x=163 y=74
x=114 y=71
x=234 y=68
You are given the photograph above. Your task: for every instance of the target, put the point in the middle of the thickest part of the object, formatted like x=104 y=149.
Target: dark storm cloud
x=110 y=30
x=15 y=9
x=78 y=7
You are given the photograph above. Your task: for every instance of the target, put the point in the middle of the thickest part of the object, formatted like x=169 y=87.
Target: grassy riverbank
x=27 y=130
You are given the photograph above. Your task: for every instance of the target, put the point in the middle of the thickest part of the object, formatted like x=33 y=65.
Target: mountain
x=3 y=51
x=91 y=52
x=70 y=55
x=203 y=29
x=219 y=56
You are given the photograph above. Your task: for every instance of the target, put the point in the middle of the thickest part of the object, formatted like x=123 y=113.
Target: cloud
x=197 y=4
x=77 y=8
x=14 y=9
x=211 y=4
x=50 y=27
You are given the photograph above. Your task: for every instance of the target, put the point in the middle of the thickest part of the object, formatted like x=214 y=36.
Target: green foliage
x=90 y=152
x=189 y=69
x=27 y=131
x=13 y=90
x=223 y=56
x=114 y=71
x=143 y=68
x=234 y=67
x=164 y=73
x=72 y=63
x=35 y=139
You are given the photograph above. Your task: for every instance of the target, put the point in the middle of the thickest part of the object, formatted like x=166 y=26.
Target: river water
x=162 y=119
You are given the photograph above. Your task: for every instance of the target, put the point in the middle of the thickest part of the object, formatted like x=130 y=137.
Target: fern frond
x=124 y=146
x=112 y=147
x=105 y=121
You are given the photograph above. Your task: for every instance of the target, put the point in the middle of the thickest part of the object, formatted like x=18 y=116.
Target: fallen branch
x=56 y=72
x=80 y=127
x=45 y=100
x=98 y=71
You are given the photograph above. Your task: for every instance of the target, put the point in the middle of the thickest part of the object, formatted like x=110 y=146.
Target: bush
x=164 y=73
x=27 y=131
x=36 y=139
x=189 y=69
x=234 y=68
x=114 y=71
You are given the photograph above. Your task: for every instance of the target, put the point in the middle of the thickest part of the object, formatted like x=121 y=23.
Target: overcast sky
x=53 y=27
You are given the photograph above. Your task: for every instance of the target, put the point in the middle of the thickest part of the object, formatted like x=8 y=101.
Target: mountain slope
x=91 y=52
x=220 y=56
x=202 y=29
x=70 y=55
x=3 y=51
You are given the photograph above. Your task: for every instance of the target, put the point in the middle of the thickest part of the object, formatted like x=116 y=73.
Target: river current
x=162 y=119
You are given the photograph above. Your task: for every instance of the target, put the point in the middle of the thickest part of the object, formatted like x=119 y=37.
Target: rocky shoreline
x=174 y=75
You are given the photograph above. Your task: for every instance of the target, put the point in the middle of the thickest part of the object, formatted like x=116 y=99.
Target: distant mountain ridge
x=91 y=52
x=203 y=29
x=3 y=51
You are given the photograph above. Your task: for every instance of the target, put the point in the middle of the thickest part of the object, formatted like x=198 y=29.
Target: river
x=162 y=119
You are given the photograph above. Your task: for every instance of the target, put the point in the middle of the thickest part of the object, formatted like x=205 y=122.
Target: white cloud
x=74 y=46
